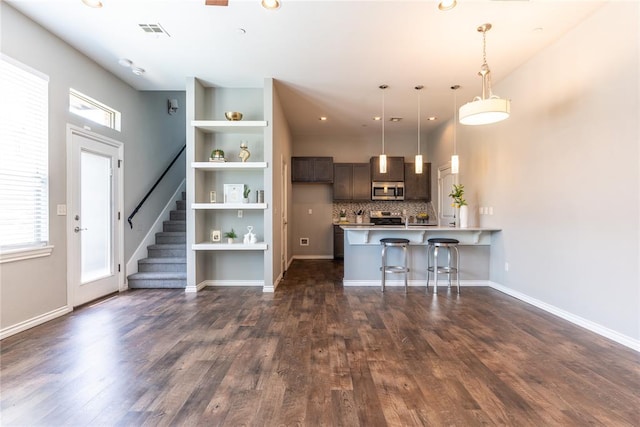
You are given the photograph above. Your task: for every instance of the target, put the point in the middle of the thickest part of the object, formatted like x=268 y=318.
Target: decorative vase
x=229 y=240
x=464 y=216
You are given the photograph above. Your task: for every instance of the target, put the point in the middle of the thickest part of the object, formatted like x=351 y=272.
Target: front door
x=94 y=231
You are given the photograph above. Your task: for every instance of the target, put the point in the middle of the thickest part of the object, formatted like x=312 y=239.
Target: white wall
x=151 y=138
x=281 y=154
x=562 y=174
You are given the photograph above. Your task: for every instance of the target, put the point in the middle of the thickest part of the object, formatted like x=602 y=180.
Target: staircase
x=166 y=265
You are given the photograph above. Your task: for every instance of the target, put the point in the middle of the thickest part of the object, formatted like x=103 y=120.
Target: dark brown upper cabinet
x=312 y=169
x=417 y=187
x=352 y=181
x=395 y=169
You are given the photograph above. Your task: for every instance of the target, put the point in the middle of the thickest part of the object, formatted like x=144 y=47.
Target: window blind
x=24 y=135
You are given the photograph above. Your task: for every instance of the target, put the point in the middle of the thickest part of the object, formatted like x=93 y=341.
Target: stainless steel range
x=386 y=218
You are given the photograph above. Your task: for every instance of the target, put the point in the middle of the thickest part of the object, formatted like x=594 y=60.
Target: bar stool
x=432 y=251
x=391 y=242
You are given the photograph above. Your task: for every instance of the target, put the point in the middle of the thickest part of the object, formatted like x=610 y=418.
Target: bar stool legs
x=451 y=245
x=389 y=243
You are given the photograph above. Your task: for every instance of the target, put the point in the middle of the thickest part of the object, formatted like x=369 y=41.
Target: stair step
x=178 y=215
x=167 y=280
x=174 y=226
x=148 y=265
x=181 y=205
x=167 y=250
x=171 y=237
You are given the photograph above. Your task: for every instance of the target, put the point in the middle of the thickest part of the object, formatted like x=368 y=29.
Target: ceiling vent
x=154 y=29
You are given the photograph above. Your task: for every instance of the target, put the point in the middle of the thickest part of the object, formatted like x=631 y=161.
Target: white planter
x=464 y=216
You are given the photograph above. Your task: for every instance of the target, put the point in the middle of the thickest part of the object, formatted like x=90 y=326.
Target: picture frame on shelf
x=212 y=197
x=233 y=193
x=215 y=236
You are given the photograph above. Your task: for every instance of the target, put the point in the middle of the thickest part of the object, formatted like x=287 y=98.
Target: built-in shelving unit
x=220 y=262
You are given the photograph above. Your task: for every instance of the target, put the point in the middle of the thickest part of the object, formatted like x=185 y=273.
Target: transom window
x=93 y=110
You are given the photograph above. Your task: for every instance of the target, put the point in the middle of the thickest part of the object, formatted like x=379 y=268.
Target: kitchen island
x=362 y=253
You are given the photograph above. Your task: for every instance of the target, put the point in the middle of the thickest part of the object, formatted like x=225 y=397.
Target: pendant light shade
x=487 y=108
x=418 y=160
x=455 y=164
x=383 y=157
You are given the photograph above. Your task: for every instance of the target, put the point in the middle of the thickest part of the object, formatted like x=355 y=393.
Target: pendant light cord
x=383 y=87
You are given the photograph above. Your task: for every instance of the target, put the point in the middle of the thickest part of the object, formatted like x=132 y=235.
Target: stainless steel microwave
x=387 y=190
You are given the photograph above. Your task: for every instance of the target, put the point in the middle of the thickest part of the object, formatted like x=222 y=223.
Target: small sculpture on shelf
x=250 y=238
x=217 y=155
x=244 y=153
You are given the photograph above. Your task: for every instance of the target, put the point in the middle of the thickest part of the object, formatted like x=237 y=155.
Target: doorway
x=446 y=179
x=285 y=222
x=94 y=224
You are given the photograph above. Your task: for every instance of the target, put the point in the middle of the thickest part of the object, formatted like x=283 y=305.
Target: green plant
x=246 y=191
x=230 y=234
x=457 y=194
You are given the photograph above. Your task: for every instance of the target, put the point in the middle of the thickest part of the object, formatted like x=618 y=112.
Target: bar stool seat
x=451 y=245
x=391 y=242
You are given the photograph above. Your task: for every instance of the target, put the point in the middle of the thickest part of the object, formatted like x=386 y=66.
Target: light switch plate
x=61 y=210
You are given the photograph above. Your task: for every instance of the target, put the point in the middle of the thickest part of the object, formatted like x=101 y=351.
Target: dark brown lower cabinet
x=338 y=242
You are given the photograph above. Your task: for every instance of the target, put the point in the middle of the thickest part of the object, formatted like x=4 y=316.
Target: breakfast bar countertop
x=418 y=234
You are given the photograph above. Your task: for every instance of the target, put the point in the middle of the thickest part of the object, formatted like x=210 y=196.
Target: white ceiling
x=329 y=57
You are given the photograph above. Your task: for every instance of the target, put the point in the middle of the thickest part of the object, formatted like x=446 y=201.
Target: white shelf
x=228 y=165
x=260 y=246
x=222 y=206
x=222 y=126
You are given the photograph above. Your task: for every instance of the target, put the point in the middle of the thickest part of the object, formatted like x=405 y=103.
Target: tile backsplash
x=412 y=209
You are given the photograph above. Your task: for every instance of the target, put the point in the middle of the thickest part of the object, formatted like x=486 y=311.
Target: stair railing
x=144 y=199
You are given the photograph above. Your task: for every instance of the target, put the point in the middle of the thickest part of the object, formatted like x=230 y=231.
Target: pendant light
x=455 y=161
x=488 y=108
x=383 y=157
x=418 y=160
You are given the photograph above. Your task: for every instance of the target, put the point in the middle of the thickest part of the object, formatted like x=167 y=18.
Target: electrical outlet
x=310 y=211
x=239 y=213
x=61 y=210
x=304 y=241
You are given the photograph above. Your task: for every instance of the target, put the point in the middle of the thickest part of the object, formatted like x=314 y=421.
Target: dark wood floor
x=313 y=354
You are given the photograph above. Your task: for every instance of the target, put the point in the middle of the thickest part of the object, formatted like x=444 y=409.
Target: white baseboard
x=577 y=320
x=230 y=283
x=35 y=321
x=312 y=257
x=150 y=237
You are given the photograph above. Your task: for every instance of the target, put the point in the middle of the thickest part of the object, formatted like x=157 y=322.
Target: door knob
x=78 y=229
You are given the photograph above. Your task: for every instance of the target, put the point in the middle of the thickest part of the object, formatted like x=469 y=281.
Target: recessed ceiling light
x=432 y=118
x=125 y=62
x=137 y=71
x=323 y=118
x=96 y=4
x=447 y=4
x=271 y=4
x=377 y=118
x=241 y=31
x=395 y=119
x=538 y=30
